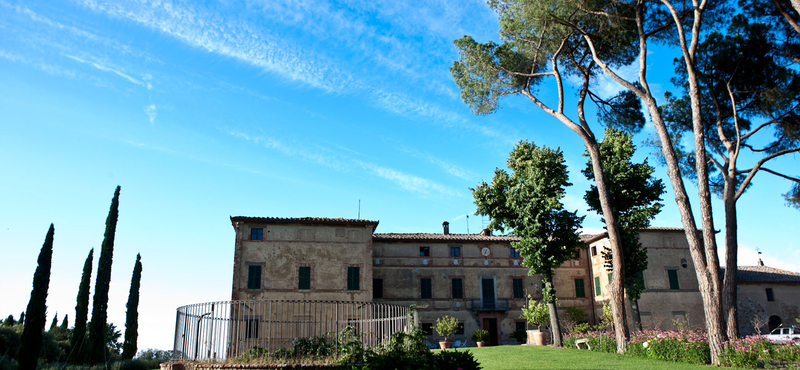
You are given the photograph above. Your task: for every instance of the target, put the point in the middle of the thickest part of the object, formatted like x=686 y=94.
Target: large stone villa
x=477 y=278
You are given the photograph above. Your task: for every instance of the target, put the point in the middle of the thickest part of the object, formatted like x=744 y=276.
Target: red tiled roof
x=304 y=220
x=765 y=274
x=445 y=237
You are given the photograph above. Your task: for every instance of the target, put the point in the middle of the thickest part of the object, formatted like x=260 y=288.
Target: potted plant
x=520 y=335
x=537 y=314
x=481 y=337
x=446 y=326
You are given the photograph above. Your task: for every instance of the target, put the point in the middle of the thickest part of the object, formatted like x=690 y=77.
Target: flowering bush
x=755 y=351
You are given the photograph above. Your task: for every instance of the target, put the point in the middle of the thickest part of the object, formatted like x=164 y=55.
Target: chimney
x=486 y=232
x=760 y=262
x=445 y=228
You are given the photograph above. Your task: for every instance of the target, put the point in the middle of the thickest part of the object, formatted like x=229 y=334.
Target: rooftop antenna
x=467 y=223
x=359 y=209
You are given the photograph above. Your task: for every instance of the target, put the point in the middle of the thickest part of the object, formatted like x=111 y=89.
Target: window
x=640 y=279
x=770 y=296
x=458 y=288
x=257 y=234
x=673 y=279
x=455 y=251
x=519 y=325
x=304 y=277
x=597 y=290
x=253 y=276
x=251 y=329
x=353 y=278
x=377 y=288
x=514 y=253
x=460 y=329
x=594 y=250
x=425 y=288
x=424 y=251
x=579 y=289
x=610 y=277
x=427 y=328
x=517 y=286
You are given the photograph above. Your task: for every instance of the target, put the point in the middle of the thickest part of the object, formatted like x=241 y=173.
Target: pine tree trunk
x=551 y=306
x=31 y=340
x=97 y=329
x=617 y=257
x=731 y=261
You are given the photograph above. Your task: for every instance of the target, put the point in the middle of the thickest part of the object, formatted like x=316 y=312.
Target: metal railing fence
x=220 y=331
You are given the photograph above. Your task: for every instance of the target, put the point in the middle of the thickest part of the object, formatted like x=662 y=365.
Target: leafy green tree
x=635 y=196
x=97 y=329
x=751 y=95
x=540 y=46
x=132 y=317
x=37 y=307
x=78 y=338
x=528 y=203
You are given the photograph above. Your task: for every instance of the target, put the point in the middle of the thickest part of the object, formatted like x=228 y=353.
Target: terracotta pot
x=538 y=338
x=445 y=344
x=480 y=344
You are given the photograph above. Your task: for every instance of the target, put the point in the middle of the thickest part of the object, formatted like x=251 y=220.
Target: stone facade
x=768 y=298
x=477 y=278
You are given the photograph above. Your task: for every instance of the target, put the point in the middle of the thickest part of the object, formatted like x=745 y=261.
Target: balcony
x=477 y=304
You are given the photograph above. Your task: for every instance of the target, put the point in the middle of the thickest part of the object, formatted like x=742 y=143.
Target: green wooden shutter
x=597 y=290
x=304 y=277
x=673 y=279
x=458 y=288
x=254 y=277
x=425 y=288
x=518 y=293
x=579 y=289
x=353 y=278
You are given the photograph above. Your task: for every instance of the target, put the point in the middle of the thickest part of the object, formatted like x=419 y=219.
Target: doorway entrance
x=490 y=325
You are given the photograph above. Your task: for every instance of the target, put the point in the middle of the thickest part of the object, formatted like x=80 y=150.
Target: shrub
x=405 y=351
x=519 y=334
x=446 y=326
x=480 y=335
x=755 y=351
x=536 y=313
x=133 y=365
x=455 y=360
x=688 y=346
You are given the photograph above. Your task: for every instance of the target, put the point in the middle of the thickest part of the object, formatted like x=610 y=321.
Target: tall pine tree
x=97 y=327
x=132 y=317
x=54 y=324
x=37 y=307
x=65 y=323
x=78 y=339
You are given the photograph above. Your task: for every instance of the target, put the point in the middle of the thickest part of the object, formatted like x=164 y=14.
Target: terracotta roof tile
x=303 y=220
x=444 y=237
x=765 y=274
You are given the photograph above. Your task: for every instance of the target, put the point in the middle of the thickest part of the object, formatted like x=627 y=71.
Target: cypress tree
x=97 y=328
x=65 y=323
x=132 y=317
x=54 y=324
x=37 y=307
x=22 y=318
x=78 y=339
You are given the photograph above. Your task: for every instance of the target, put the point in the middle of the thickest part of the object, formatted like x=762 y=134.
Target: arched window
x=774 y=322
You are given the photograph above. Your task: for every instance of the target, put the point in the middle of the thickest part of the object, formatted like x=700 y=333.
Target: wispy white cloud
x=410 y=182
x=343 y=163
x=51 y=69
x=150 y=111
x=448 y=167
x=114 y=71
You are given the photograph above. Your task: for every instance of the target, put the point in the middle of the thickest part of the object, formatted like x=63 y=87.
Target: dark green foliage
x=135 y=365
x=9 y=321
x=456 y=360
x=528 y=203
x=78 y=338
x=37 y=307
x=10 y=341
x=405 y=351
x=22 y=318
x=54 y=324
x=97 y=329
x=154 y=357
x=132 y=316
x=635 y=196
x=744 y=63
x=65 y=323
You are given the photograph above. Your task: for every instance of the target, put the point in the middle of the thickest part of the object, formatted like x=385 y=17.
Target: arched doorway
x=774 y=322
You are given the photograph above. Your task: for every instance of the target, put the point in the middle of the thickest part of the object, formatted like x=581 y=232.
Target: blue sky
x=259 y=108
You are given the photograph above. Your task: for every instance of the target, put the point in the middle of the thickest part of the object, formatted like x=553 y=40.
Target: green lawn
x=543 y=357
